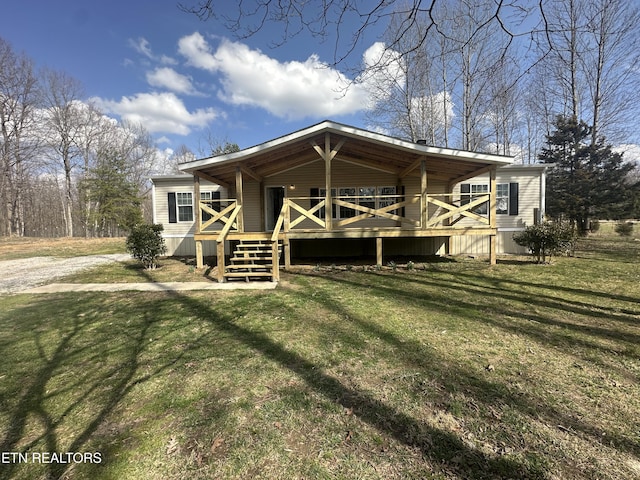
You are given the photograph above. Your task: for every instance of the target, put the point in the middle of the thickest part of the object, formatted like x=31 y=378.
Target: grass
x=445 y=371
x=23 y=247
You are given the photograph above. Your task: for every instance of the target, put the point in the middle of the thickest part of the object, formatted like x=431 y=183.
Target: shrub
x=624 y=229
x=595 y=226
x=145 y=243
x=547 y=239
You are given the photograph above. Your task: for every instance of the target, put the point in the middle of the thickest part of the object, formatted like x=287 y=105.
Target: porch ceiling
x=367 y=149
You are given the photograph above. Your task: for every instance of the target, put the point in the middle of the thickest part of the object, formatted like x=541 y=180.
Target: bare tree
x=326 y=20
x=18 y=96
x=63 y=122
x=610 y=65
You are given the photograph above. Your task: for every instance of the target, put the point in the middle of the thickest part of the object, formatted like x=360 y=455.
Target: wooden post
x=379 y=251
x=448 y=246
x=239 y=199
x=492 y=215
x=424 y=205
x=286 y=243
x=275 y=262
x=198 y=213
x=199 y=256
x=287 y=253
x=328 y=198
x=220 y=255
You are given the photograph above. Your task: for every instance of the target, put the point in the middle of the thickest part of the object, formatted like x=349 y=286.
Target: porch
x=360 y=184
x=355 y=217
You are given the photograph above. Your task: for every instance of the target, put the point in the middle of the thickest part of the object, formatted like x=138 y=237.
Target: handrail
x=280 y=222
x=229 y=224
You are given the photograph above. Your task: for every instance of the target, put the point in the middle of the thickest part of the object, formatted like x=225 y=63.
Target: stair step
x=248 y=274
x=256 y=266
x=250 y=259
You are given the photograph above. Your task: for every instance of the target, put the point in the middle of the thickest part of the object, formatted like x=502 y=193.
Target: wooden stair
x=251 y=259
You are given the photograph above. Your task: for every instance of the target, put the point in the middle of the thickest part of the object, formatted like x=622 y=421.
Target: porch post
x=424 y=206
x=379 y=251
x=328 y=198
x=220 y=255
x=448 y=246
x=492 y=215
x=286 y=245
x=239 y=198
x=198 y=214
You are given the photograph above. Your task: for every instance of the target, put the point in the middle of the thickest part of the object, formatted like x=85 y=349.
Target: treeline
x=67 y=169
x=494 y=76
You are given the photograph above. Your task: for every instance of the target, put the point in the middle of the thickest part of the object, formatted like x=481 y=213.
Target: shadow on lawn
x=87 y=357
x=497 y=314
x=439 y=446
x=106 y=387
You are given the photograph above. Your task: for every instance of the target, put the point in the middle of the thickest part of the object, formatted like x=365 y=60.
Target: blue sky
x=147 y=61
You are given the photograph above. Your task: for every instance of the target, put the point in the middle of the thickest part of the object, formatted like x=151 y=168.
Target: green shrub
x=595 y=226
x=624 y=229
x=145 y=243
x=547 y=239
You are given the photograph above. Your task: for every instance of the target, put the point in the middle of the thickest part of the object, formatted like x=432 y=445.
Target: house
x=385 y=196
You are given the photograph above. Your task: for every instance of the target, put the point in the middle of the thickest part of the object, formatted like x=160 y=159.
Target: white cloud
x=291 y=89
x=169 y=79
x=630 y=151
x=158 y=112
x=143 y=47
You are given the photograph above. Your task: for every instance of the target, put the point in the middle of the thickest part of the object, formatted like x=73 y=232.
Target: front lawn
x=449 y=370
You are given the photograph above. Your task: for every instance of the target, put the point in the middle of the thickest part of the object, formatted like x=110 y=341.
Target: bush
x=624 y=229
x=145 y=243
x=547 y=239
x=595 y=226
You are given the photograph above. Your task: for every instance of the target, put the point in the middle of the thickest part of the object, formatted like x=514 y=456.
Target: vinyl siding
x=179 y=236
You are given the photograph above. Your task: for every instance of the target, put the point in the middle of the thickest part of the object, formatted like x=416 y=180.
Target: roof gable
x=358 y=146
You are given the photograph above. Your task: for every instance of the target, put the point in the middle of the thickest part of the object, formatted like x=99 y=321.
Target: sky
x=182 y=78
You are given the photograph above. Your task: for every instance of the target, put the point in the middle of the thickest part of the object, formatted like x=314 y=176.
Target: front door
x=274 y=198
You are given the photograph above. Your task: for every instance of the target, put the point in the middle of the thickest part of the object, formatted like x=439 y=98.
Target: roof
x=362 y=147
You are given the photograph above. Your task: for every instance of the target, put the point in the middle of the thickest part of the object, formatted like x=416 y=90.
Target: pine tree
x=116 y=201
x=587 y=180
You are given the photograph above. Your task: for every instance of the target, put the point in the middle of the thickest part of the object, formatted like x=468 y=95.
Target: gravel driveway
x=18 y=275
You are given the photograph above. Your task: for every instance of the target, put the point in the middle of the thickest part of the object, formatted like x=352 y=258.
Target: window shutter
x=314 y=192
x=465 y=190
x=513 y=199
x=173 y=218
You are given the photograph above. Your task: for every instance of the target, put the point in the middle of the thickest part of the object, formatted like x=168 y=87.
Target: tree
x=18 y=100
x=586 y=181
x=63 y=121
x=115 y=198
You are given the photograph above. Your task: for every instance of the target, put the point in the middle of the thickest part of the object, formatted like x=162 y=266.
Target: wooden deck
x=304 y=218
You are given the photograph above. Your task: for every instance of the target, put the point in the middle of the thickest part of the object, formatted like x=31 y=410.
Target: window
x=185 y=206
x=502 y=198
x=214 y=205
x=483 y=208
x=506 y=197
x=347 y=194
x=366 y=196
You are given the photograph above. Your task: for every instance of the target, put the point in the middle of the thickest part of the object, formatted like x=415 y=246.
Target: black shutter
x=513 y=199
x=314 y=193
x=173 y=217
x=465 y=188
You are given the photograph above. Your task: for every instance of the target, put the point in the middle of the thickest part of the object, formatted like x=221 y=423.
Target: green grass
x=447 y=371
x=24 y=247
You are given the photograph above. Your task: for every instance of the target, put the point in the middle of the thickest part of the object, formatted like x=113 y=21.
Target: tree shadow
x=97 y=387
x=415 y=354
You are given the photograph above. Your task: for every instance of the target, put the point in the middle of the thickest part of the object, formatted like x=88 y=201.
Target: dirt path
x=18 y=275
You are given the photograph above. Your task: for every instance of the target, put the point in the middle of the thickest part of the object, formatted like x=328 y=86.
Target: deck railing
x=309 y=213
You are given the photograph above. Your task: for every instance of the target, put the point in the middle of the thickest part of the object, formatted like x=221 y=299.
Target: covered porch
x=331 y=181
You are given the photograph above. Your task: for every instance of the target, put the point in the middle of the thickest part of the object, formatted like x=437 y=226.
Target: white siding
x=179 y=236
